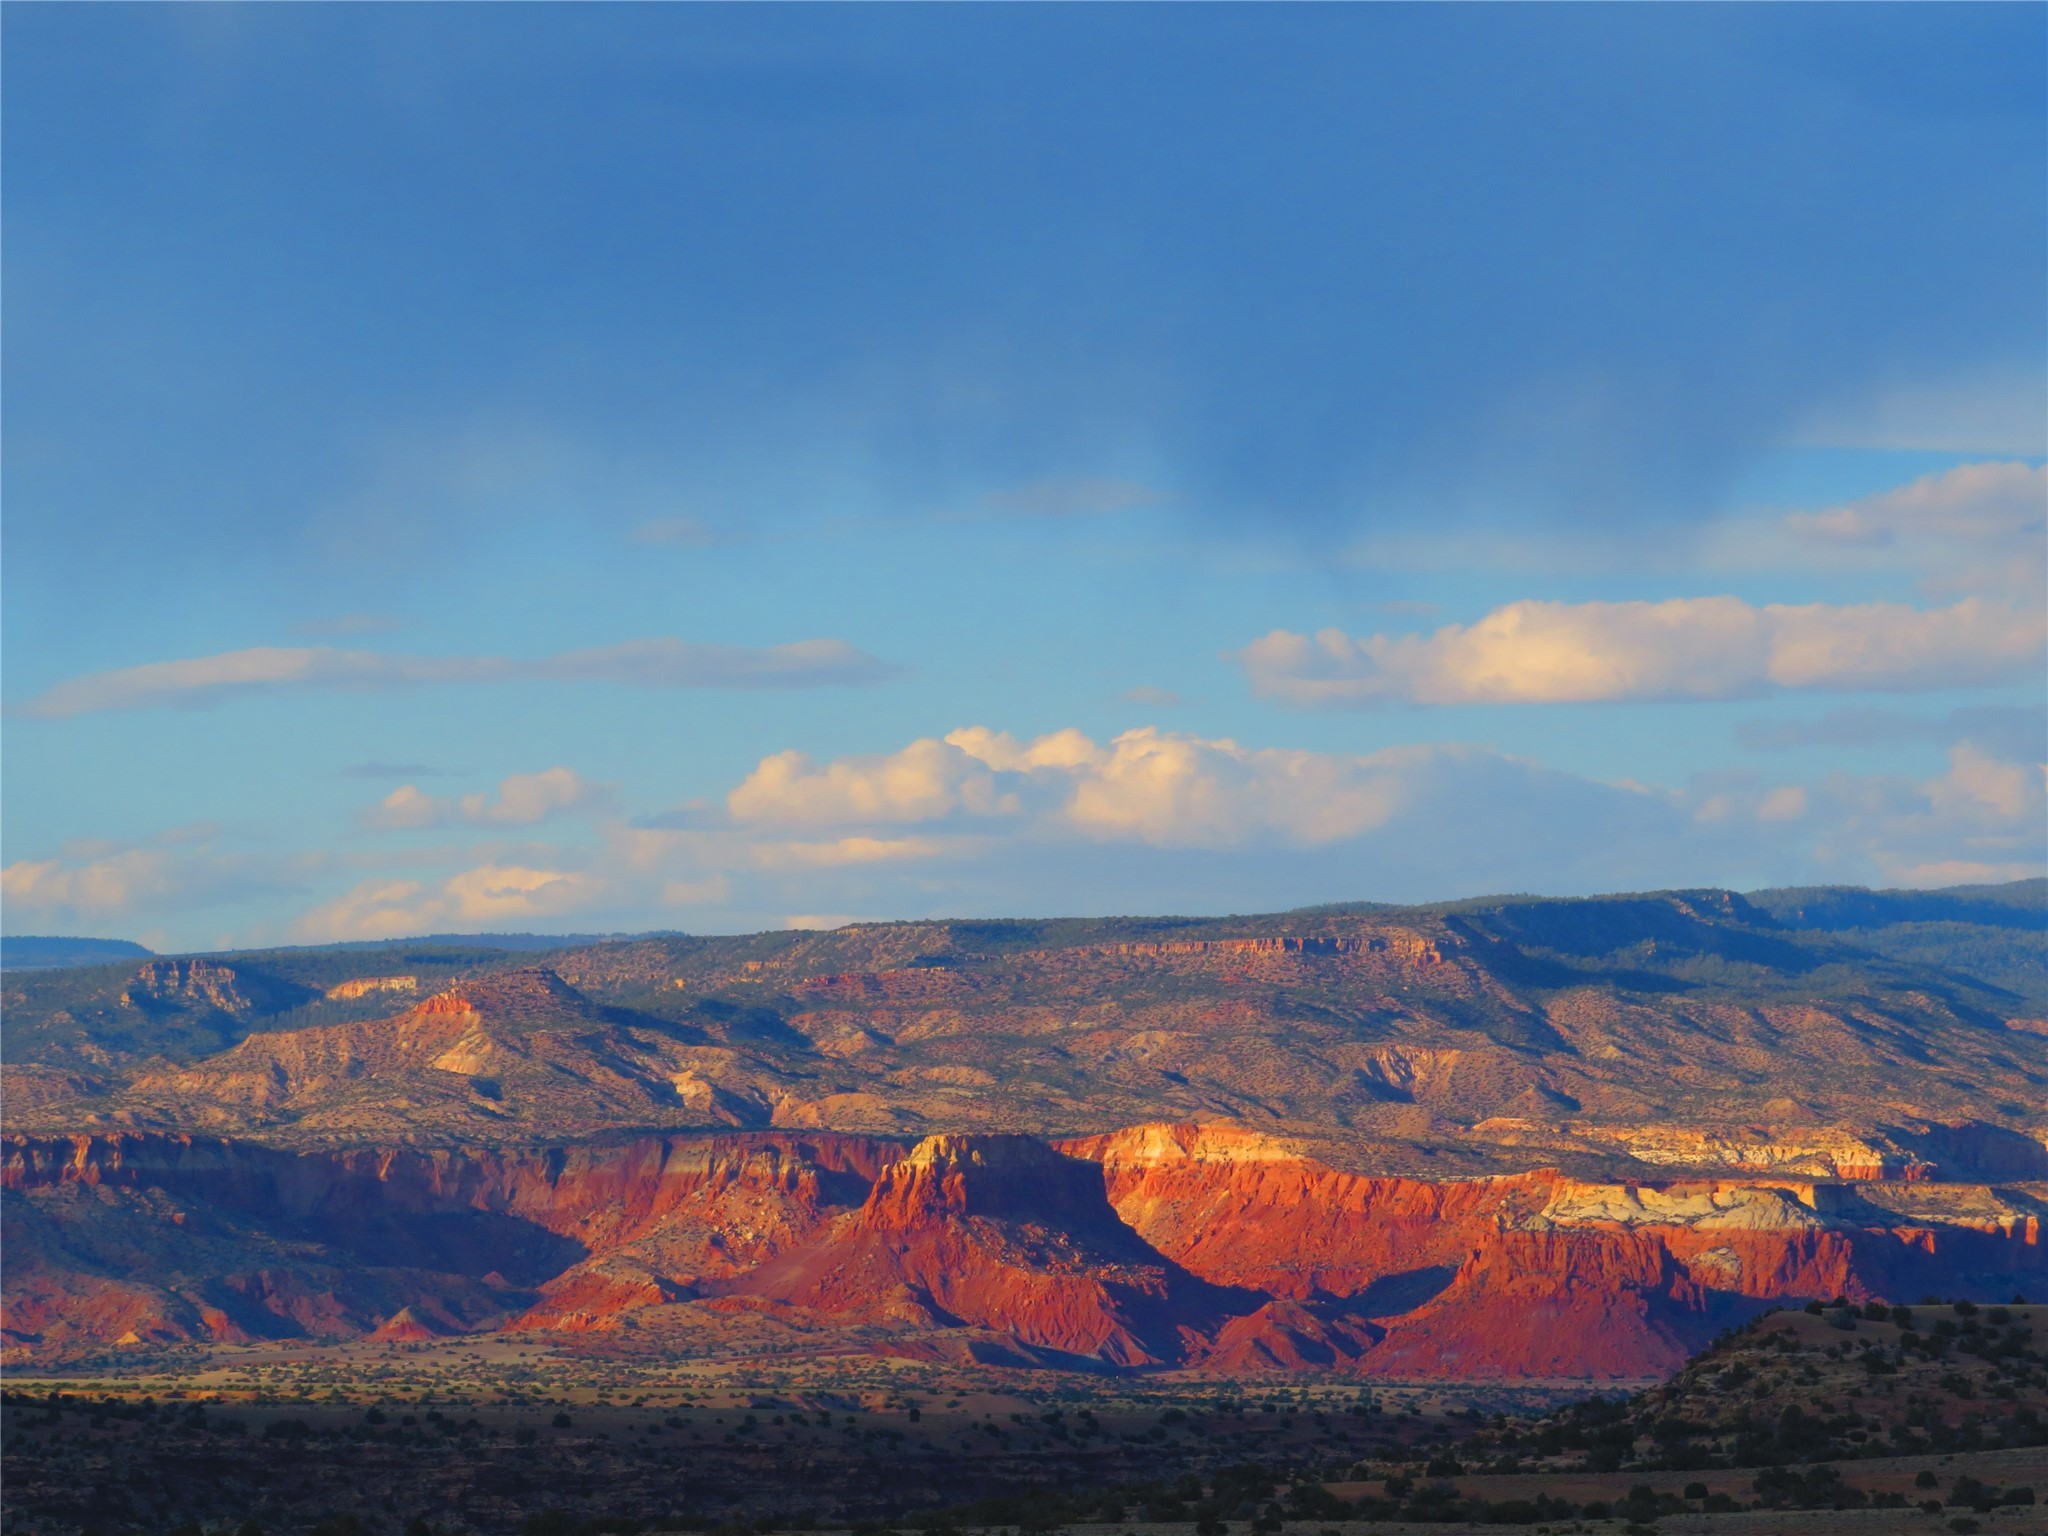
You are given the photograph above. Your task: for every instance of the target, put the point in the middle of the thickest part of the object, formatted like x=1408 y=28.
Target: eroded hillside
x=1685 y=1031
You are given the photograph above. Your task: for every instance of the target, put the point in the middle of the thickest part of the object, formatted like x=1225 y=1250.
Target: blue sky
x=455 y=453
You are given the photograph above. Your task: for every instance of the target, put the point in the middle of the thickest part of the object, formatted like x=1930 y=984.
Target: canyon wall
x=1158 y=1247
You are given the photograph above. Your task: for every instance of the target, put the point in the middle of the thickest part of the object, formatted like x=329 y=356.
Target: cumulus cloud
x=653 y=663
x=1979 y=528
x=1684 y=648
x=523 y=800
x=1997 y=502
x=94 y=881
x=1976 y=529
x=1985 y=819
x=983 y=822
x=1155 y=820
x=1176 y=790
x=926 y=781
x=834 y=852
x=488 y=896
x=1168 y=789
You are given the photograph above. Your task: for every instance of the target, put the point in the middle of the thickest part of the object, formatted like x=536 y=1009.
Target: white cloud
x=1168 y=789
x=102 y=887
x=94 y=881
x=1156 y=820
x=835 y=852
x=523 y=800
x=488 y=896
x=926 y=781
x=406 y=807
x=1684 y=648
x=653 y=663
x=1985 y=819
x=982 y=822
x=1976 y=529
x=1996 y=502
x=1182 y=791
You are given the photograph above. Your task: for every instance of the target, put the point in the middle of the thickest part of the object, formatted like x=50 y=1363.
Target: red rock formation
x=1533 y=1275
x=405 y=1326
x=1002 y=1233
x=1209 y=1248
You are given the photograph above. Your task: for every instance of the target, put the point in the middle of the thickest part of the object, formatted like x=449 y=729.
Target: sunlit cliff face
x=1164 y=1245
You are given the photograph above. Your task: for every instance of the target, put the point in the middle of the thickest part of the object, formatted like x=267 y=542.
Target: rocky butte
x=1511 y=1140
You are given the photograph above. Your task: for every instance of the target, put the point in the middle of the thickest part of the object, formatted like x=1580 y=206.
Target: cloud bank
x=663 y=662
x=981 y=822
x=1684 y=648
x=523 y=800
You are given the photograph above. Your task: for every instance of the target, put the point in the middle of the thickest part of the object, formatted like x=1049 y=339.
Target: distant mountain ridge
x=2013 y=904
x=28 y=951
x=1675 y=1027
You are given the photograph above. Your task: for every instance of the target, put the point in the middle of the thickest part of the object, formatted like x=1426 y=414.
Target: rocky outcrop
x=1001 y=1233
x=365 y=986
x=1537 y=1274
x=209 y=985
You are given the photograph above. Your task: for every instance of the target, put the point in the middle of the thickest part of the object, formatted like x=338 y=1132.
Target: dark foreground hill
x=1836 y=1421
